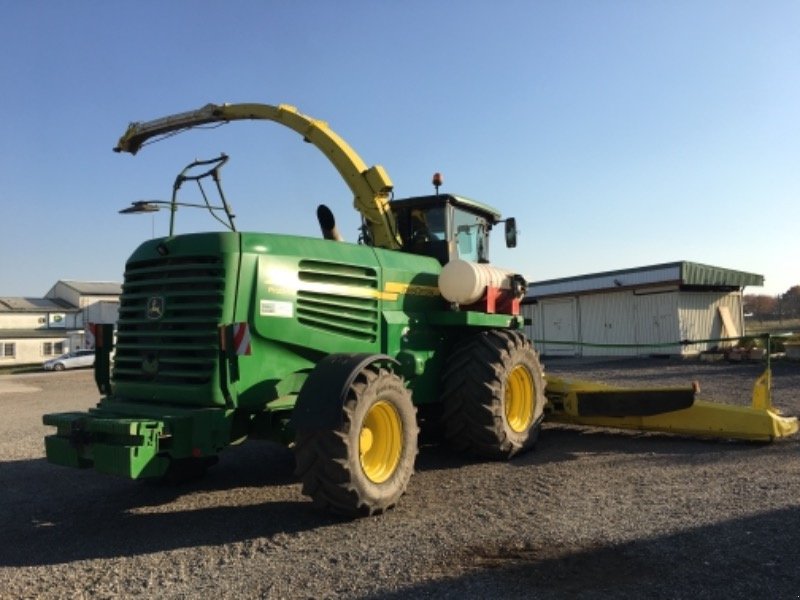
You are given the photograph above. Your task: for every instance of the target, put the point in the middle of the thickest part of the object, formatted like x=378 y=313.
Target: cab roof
x=491 y=213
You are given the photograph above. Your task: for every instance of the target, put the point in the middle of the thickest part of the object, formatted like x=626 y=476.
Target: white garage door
x=559 y=320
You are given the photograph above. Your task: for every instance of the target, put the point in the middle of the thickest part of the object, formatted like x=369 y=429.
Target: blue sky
x=618 y=133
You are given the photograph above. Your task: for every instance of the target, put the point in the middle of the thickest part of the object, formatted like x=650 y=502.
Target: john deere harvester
x=340 y=350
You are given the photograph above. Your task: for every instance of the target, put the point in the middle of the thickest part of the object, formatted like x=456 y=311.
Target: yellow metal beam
x=371 y=186
x=758 y=422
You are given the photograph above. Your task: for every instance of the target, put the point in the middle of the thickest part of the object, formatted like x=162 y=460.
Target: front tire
x=493 y=395
x=363 y=466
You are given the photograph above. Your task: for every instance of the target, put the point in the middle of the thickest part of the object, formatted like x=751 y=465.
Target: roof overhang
x=682 y=275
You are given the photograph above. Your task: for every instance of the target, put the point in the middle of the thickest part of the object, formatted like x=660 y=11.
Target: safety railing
x=767 y=341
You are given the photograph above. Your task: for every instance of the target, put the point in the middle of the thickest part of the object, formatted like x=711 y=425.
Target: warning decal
x=275 y=308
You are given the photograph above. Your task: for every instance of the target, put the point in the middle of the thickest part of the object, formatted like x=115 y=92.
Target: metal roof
x=681 y=274
x=94 y=288
x=475 y=204
x=8 y=304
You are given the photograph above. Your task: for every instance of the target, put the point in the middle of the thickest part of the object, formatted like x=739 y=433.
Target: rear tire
x=363 y=466
x=493 y=395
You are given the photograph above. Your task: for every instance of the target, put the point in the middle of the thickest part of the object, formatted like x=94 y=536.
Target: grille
x=351 y=310
x=180 y=345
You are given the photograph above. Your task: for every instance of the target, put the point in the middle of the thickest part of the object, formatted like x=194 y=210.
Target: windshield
x=428 y=224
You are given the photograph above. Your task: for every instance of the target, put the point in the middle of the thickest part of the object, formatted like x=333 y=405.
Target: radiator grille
x=170 y=309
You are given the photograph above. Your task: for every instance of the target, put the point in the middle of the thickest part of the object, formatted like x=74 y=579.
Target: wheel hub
x=519 y=399
x=380 y=441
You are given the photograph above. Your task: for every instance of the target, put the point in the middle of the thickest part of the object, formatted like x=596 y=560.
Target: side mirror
x=511 y=232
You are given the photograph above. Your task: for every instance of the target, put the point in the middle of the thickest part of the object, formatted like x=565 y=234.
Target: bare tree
x=761 y=306
x=790 y=302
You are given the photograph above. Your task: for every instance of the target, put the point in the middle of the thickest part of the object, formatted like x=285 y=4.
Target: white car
x=71 y=360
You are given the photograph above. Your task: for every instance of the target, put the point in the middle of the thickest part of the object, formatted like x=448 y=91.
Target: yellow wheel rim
x=519 y=399
x=380 y=441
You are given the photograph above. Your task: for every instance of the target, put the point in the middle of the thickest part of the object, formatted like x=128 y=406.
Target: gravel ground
x=588 y=514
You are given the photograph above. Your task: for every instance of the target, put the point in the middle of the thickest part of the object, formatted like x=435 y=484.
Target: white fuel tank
x=464 y=282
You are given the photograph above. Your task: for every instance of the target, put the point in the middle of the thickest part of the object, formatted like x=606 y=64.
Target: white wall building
x=33 y=330
x=641 y=311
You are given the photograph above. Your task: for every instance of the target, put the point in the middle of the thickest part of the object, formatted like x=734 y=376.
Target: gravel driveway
x=588 y=514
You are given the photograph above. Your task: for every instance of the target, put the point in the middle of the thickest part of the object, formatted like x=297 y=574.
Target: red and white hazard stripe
x=241 y=338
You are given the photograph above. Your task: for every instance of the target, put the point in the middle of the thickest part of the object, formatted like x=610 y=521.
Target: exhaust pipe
x=327 y=223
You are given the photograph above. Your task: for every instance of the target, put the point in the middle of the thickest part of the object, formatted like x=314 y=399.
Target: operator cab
x=447 y=227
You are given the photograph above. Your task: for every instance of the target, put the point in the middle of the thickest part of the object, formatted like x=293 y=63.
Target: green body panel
x=110 y=445
x=179 y=388
x=173 y=359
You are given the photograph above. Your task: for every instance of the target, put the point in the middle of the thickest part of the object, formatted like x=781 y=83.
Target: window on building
x=53 y=348
x=8 y=349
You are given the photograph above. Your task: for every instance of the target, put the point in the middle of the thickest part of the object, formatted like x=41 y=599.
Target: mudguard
x=319 y=404
x=103 y=345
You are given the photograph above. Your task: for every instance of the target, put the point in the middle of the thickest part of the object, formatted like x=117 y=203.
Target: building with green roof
x=651 y=310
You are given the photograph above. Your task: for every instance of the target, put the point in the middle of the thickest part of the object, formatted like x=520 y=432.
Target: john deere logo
x=155 y=308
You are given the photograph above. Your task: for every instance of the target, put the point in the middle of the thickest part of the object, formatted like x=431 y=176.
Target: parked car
x=71 y=360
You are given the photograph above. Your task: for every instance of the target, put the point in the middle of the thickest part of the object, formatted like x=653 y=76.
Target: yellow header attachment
x=371 y=186
x=652 y=409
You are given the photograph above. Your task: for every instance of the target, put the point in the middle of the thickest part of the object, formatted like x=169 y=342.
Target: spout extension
x=327 y=223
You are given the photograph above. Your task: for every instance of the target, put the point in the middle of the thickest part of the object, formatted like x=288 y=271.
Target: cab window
x=470 y=235
x=428 y=224
x=424 y=231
